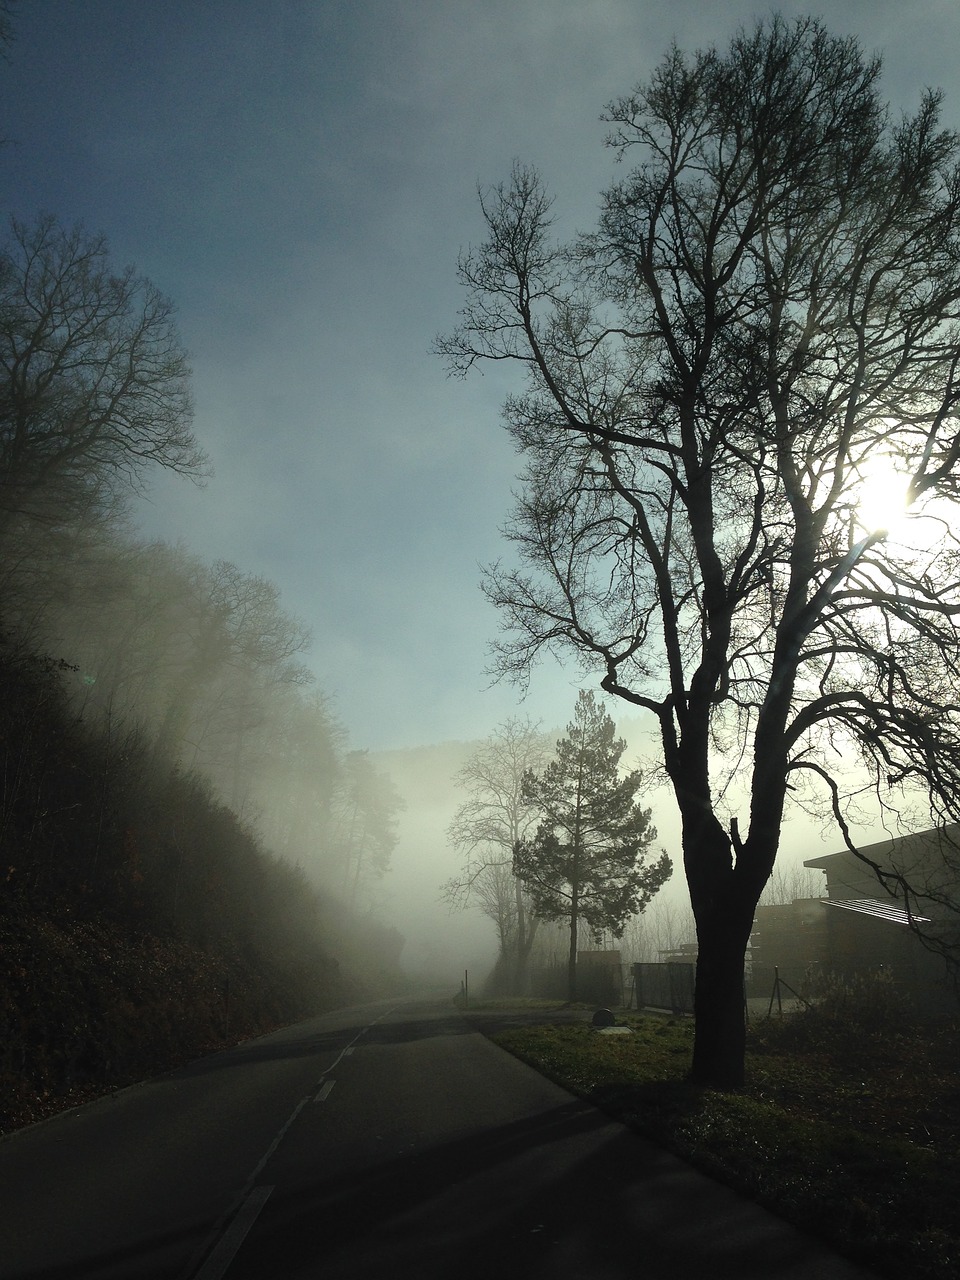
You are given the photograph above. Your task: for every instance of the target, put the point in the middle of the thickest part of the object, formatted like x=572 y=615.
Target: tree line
x=173 y=786
x=170 y=777
x=197 y=664
x=200 y=667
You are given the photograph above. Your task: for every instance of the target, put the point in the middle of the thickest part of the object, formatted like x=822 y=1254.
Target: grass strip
x=862 y=1155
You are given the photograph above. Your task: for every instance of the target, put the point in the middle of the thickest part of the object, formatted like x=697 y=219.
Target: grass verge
x=852 y=1136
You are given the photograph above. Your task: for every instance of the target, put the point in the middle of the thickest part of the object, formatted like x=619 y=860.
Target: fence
x=664 y=986
x=596 y=983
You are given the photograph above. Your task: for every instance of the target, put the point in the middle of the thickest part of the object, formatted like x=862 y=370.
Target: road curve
x=380 y=1141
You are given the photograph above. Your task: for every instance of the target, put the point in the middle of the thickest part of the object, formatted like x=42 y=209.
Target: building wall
x=791 y=940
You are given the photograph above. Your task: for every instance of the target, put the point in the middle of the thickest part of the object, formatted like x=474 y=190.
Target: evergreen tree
x=586 y=860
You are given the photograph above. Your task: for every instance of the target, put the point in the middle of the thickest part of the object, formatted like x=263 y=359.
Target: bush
x=857 y=1012
x=141 y=922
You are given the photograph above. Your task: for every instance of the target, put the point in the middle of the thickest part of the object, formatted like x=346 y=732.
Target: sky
x=299 y=176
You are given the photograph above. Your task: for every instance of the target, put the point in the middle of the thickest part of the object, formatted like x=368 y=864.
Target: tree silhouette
x=365 y=810
x=94 y=383
x=487 y=827
x=585 y=861
x=767 y=312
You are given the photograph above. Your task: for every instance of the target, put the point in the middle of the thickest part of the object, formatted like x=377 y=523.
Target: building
x=862 y=924
x=880 y=916
x=789 y=941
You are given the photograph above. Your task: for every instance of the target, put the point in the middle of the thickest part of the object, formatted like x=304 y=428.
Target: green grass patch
x=856 y=1144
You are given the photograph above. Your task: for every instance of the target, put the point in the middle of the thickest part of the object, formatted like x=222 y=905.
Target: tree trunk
x=524 y=947
x=719 y=1046
x=723 y=894
x=572 y=955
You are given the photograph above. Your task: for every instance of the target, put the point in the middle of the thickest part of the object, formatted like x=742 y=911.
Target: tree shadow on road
x=563 y=1195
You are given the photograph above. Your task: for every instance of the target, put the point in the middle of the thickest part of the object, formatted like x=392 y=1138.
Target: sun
x=914 y=529
x=882 y=495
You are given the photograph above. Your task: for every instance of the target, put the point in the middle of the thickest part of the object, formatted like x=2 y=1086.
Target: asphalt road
x=378 y=1141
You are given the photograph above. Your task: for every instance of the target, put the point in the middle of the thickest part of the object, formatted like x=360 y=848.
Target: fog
x=201 y=667
x=324 y=598
x=442 y=940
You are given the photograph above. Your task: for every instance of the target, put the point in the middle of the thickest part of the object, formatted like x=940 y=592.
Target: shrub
x=857 y=1011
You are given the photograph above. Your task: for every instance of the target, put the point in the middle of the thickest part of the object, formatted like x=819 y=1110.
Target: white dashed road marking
x=235 y=1234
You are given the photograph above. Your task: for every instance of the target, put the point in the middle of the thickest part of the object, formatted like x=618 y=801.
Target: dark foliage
x=140 y=921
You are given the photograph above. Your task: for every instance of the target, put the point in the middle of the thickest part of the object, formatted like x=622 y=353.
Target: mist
x=201 y=667
x=319 y=597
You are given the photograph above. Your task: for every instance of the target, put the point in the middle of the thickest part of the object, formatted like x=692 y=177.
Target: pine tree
x=586 y=860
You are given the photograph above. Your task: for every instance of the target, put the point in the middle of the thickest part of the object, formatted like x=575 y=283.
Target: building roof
x=906 y=853
x=889 y=910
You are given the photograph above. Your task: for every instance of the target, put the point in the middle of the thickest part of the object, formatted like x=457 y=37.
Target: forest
x=189 y=849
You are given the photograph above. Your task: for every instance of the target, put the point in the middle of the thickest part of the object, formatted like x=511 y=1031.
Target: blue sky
x=299 y=176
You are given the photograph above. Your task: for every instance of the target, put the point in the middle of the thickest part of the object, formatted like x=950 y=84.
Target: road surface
x=382 y=1141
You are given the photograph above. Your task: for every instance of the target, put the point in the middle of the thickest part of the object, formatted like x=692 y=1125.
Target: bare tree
x=488 y=827
x=296 y=782
x=366 y=807
x=767 y=312
x=663 y=927
x=788 y=883
x=94 y=383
